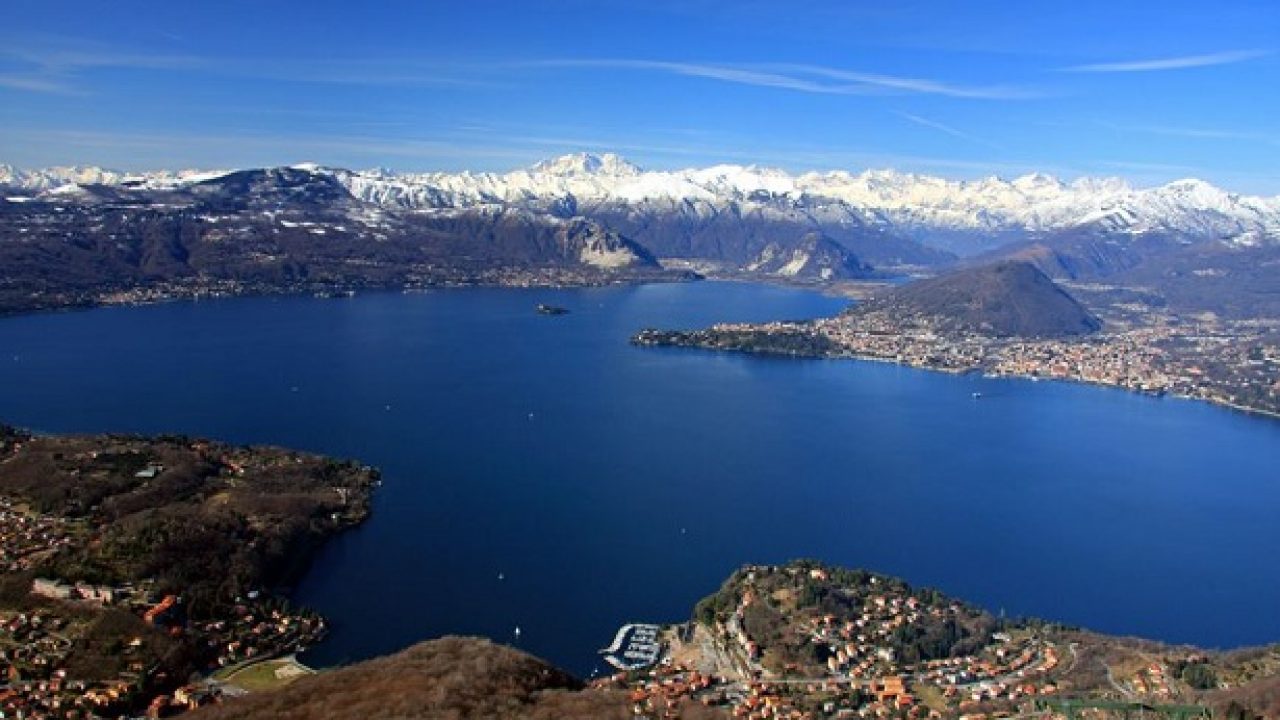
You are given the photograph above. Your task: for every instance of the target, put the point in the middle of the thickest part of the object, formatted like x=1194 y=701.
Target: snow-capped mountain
x=705 y=212
x=280 y=229
x=56 y=177
x=916 y=205
x=602 y=216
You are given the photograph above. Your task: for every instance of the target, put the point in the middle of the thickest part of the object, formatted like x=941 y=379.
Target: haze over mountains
x=602 y=212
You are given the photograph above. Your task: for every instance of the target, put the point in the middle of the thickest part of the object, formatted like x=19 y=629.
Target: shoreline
x=1245 y=409
x=847 y=356
x=342 y=291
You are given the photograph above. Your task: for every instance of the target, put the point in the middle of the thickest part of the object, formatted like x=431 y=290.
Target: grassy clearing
x=267 y=675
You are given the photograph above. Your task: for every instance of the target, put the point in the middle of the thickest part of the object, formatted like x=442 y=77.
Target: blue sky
x=1150 y=91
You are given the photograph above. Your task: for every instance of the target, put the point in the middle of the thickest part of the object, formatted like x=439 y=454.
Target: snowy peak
x=56 y=178
x=1038 y=182
x=577 y=164
x=50 y=178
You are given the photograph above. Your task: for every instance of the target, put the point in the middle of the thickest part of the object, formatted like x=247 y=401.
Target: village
x=862 y=675
x=37 y=648
x=75 y=648
x=1233 y=363
x=868 y=670
x=26 y=538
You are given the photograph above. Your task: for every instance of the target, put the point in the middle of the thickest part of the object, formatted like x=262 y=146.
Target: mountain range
x=814 y=226
x=963 y=215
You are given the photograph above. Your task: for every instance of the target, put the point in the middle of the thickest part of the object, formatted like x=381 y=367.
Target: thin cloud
x=57 y=65
x=72 y=60
x=1195 y=133
x=724 y=73
x=947 y=129
x=37 y=83
x=801 y=78
x=62 y=56
x=366 y=72
x=917 y=85
x=1173 y=63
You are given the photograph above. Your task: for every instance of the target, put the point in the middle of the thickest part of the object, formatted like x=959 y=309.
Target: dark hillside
x=1004 y=299
x=454 y=677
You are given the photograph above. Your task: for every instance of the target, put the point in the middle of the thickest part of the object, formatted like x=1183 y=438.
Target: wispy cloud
x=922 y=86
x=61 y=65
x=70 y=60
x=947 y=129
x=51 y=64
x=1200 y=133
x=1171 y=63
x=373 y=72
x=37 y=82
x=801 y=78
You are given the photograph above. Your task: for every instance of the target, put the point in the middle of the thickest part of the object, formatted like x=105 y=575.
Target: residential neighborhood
x=95 y=623
x=1234 y=363
x=803 y=641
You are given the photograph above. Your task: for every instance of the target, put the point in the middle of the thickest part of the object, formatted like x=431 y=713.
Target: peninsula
x=1009 y=319
x=807 y=640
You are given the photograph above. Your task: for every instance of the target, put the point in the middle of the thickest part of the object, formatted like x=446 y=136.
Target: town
x=39 y=644
x=96 y=623
x=807 y=641
x=1233 y=363
x=764 y=648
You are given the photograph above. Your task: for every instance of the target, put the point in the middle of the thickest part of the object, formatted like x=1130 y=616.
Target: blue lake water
x=606 y=483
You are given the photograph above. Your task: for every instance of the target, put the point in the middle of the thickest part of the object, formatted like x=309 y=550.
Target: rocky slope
x=287 y=229
x=814 y=256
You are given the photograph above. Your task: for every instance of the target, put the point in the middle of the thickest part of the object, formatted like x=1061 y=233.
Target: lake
x=542 y=473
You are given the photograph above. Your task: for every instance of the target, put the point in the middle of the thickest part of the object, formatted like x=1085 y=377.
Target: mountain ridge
x=909 y=203
x=730 y=220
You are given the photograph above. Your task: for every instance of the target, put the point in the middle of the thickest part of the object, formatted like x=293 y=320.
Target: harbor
x=634 y=647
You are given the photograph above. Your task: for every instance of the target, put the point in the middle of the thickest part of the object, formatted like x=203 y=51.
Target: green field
x=266 y=675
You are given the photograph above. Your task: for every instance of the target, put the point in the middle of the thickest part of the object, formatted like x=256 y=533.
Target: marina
x=634 y=647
